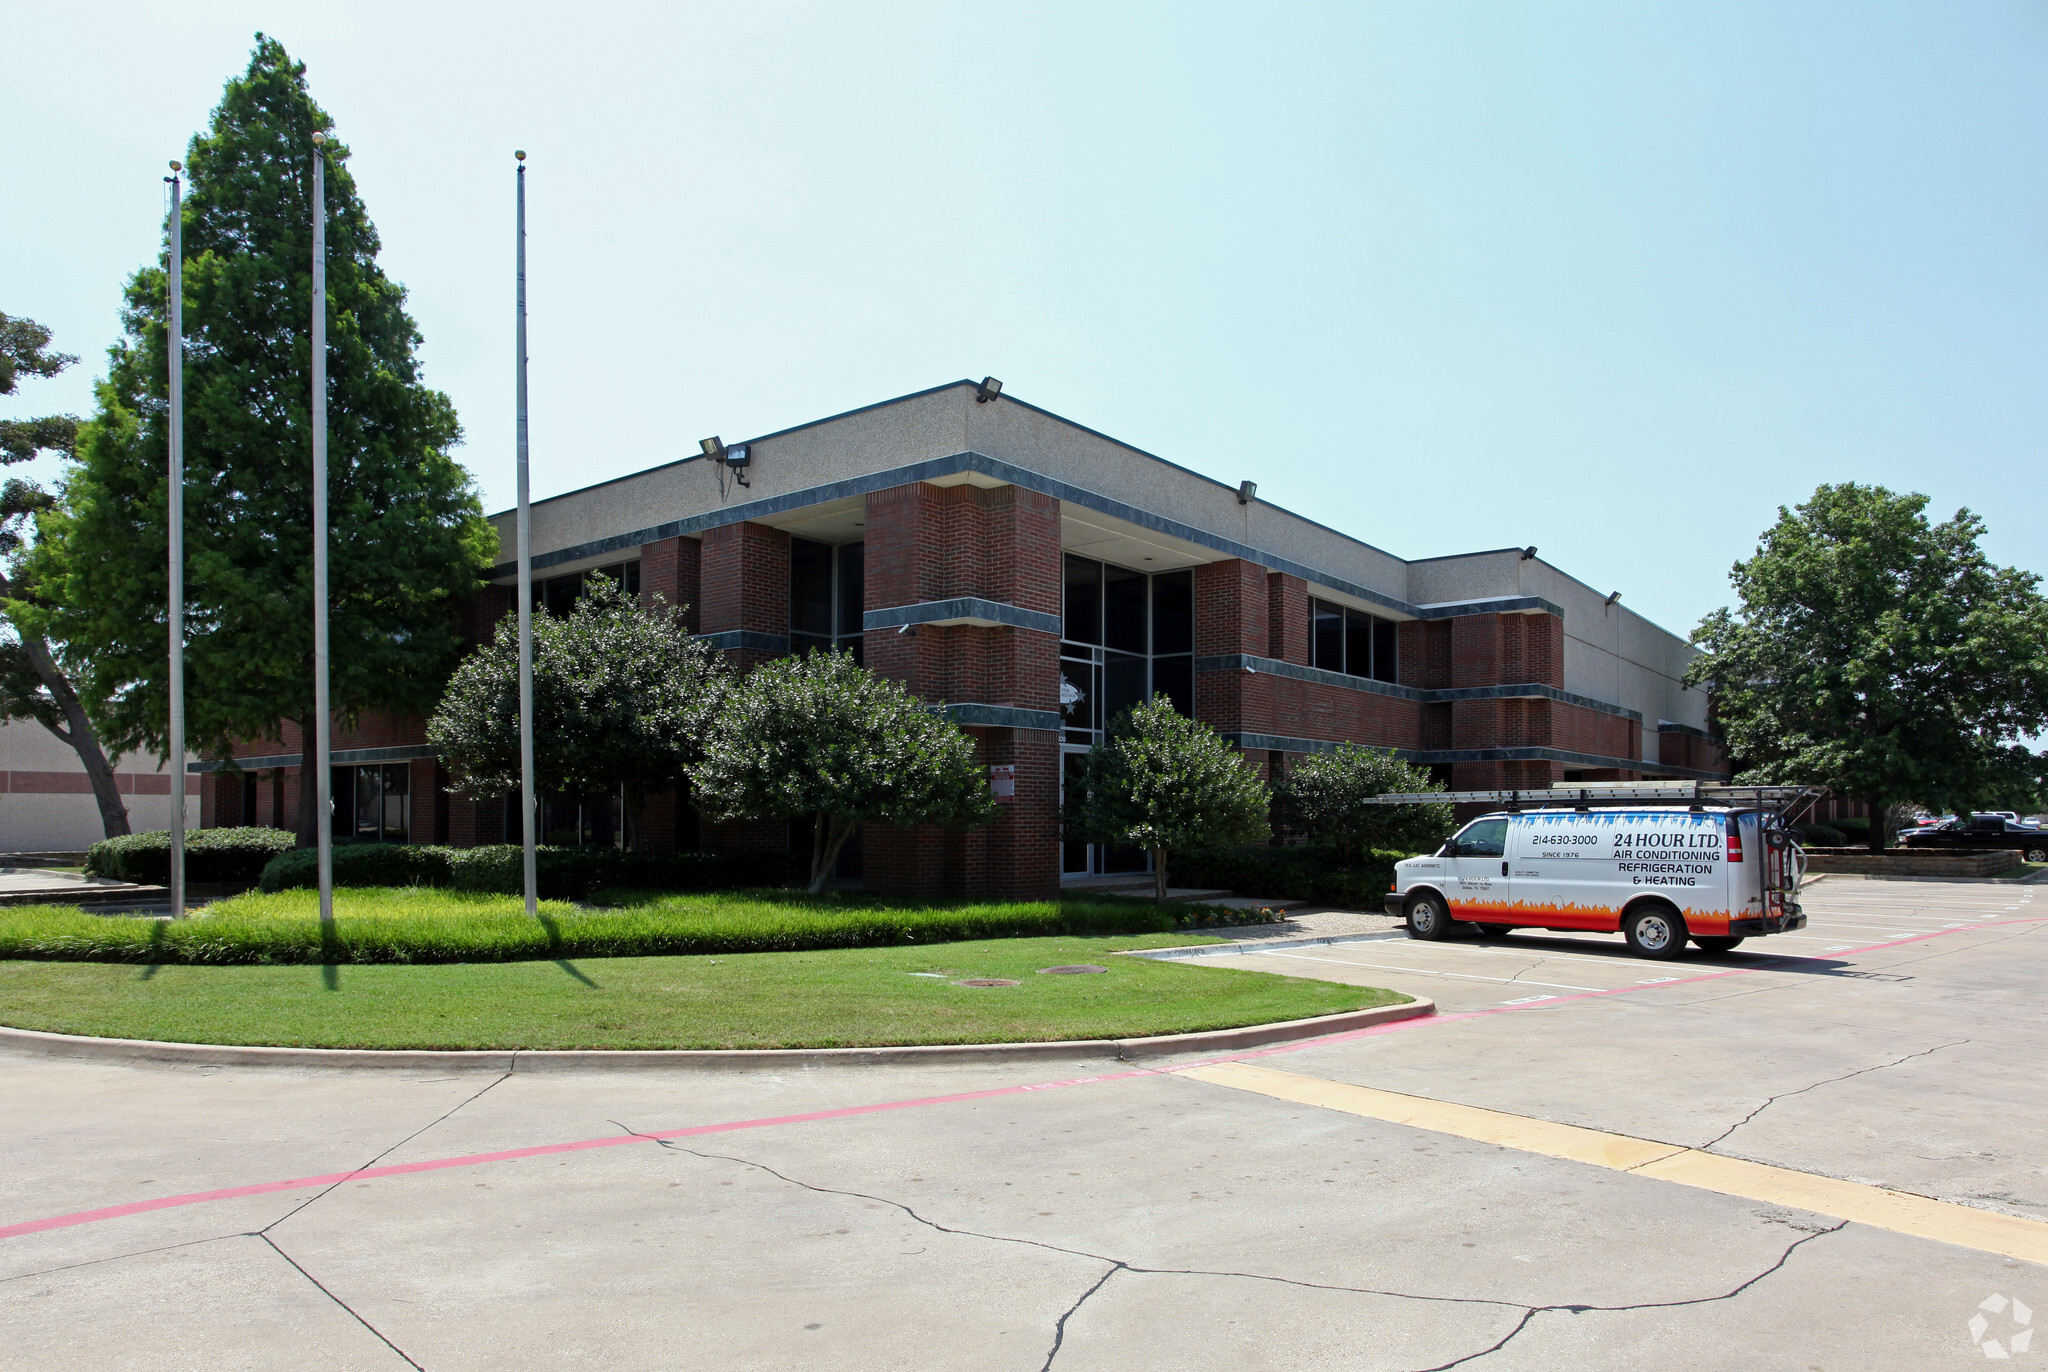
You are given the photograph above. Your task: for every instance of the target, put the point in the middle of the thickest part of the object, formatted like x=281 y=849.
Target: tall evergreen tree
x=407 y=536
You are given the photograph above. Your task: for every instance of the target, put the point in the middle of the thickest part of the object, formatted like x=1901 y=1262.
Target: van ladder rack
x=1776 y=798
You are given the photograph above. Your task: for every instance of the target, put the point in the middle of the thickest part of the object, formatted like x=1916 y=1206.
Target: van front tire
x=1428 y=917
x=1657 y=931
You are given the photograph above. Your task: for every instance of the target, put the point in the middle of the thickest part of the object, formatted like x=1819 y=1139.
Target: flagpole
x=174 y=505
x=323 y=801
x=528 y=858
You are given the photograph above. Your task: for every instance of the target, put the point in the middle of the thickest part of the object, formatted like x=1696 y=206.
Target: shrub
x=1822 y=836
x=573 y=873
x=1303 y=872
x=361 y=864
x=1334 y=796
x=212 y=855
x=1857 y=827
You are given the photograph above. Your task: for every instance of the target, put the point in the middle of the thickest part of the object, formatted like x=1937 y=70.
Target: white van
x=1659 y=873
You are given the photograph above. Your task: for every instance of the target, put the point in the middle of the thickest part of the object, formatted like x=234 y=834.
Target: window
x=827 y=591
x=373 y=804
x=1353 y=642
x=556 y=595
x=1483 y=838
x=1127 y=636
x=570 y=822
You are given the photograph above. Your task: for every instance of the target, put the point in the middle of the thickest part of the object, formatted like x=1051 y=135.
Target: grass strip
x=826 y=999
x=422 y=925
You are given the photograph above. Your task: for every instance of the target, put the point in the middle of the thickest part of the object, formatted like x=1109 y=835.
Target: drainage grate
x=985 y=981
x=1073 y=969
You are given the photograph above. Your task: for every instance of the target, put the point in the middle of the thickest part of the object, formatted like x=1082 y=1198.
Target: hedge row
x=1297 y=872
x=222 y=855
x=564 y=873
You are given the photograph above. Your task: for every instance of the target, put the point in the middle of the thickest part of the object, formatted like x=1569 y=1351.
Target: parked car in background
x=1981 y=831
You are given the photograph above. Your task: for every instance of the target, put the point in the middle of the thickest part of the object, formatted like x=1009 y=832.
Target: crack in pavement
x=1117 y=1265
x=1828 y=1081
x=1531 y=1312
x=322 y=1289
x=121 y=1257
x=443 y=1118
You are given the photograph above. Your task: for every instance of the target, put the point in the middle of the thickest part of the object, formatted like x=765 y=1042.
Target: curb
x=34 y=1043
x=1224 y=950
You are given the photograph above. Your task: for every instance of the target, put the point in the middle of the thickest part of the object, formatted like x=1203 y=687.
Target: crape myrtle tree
x=407 y=537
x=1165 y=783
x=1882 y=656
x=32 y=683
x=1332 y=795
x=818 y=736
x=622 y=698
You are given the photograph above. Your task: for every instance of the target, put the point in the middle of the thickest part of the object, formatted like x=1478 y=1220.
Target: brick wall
x=1287 y=618
x=672 y=569
x=744 y=584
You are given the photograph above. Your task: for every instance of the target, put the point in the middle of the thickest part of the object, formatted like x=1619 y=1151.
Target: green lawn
x=835 y=998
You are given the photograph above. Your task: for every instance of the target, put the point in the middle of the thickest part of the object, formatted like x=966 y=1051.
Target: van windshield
x=1484 y=838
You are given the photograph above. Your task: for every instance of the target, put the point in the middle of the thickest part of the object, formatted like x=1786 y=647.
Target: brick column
x=1287 y=618
x=672 y=569
x=927 y=543
x=744 y=586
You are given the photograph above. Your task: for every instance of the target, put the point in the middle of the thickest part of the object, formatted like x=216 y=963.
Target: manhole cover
x=985 y=981
x=1071 y=970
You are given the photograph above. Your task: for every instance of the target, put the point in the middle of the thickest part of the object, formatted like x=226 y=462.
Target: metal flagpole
x=528 y=862
x=174 y=505
x=323 y=802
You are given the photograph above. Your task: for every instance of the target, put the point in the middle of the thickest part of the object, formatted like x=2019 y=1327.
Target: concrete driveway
x=1713 y=1164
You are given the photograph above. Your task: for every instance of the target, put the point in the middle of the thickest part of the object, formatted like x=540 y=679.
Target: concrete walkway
x=997 y=1218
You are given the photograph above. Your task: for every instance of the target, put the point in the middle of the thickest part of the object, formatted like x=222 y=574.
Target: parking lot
x=1820 y=1151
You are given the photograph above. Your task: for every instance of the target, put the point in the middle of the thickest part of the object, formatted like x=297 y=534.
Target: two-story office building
x=1037 y=577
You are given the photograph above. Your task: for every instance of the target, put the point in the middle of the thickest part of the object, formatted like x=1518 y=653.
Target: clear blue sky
x=1614 y=279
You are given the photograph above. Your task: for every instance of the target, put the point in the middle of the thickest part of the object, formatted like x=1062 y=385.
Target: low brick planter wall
x=1906 y=862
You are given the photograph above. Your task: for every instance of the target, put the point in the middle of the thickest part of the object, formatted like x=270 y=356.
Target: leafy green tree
x=622 y=697
x=1332 y=794
x=407 y=537
x=32 y=684
x=1163 y=782
x=1881 y=655
x=818 y=736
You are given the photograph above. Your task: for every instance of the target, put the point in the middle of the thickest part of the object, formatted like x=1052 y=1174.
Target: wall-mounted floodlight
x=738 y=455
x=1247 y=492
x=714 y=447
x=990 y=389
x=1529 y=553
x=1614 y=597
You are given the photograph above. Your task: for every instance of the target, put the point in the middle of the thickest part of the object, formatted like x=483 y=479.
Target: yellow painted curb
x=1943 y=1221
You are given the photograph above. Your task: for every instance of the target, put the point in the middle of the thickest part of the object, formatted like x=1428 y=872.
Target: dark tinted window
x=1174 y=678
x=1123 y=613
x=1357 y=643
x=810 y=587
x=1123 y=685
x=1083 y=601
x=1173 y=612
x=852 y=586
x=1386 y=654
x=1326 y=636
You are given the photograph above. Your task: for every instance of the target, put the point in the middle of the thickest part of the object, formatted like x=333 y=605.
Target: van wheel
x=1656 y=931
x=1427 y=918
x=1496 y=930
x=1716 y=945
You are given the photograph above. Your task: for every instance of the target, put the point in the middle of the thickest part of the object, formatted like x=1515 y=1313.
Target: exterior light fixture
x=1529 y=553
x=1247 y=492
x=990 y=389
x=714 y=447
x=1614 y=597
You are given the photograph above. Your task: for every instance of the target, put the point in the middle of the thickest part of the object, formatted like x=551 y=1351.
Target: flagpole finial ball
x=520 y=154
x=319 y=138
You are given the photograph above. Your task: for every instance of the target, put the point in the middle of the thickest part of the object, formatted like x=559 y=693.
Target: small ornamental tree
x=622 y=697
x=819 y=736
x=1163 y=782
x=1331 y=794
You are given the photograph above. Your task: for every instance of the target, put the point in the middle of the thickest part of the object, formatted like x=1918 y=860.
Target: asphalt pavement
x=1585 y=1161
